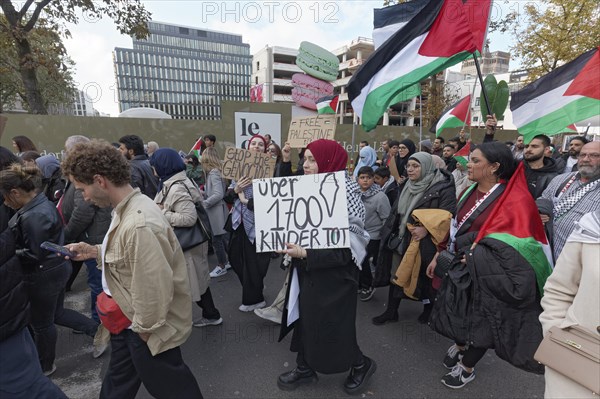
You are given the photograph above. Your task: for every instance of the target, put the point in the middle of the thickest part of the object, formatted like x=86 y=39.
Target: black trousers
x=366 y=276
x=131 y=363
x=251 y=267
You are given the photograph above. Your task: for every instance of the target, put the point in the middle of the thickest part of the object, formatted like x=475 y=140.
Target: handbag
x=192 y=236
x=111 y=315
x=573 y=352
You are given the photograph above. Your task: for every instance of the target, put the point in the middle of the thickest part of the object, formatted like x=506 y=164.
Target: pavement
x=241 y=358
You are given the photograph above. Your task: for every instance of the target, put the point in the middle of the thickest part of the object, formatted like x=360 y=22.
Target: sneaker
x=366 y=294
x=250 y=308
x=48 y=373
x=203 y=322
x=458 y=377
x=453 y=356
x=271 y=313
x=227 y=266
x=218 y=272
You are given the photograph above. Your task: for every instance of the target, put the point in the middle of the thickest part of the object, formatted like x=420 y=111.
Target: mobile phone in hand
x=50 y=246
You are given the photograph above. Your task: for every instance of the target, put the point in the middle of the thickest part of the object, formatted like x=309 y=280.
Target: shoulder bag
x=573 y=352
x=192 y=236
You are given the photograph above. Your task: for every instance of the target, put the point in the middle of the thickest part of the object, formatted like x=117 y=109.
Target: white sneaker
x=250 y=308
x=218 y=272
x=271 y=313
x=228 y=266
x=203 y=322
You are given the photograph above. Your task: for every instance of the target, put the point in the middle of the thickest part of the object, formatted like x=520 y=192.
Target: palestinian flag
x=327 y=105
x=462 y=155
x=512 y=221
x=457 y=115
x=568 y=94
x=197 y=148
x=436 y=35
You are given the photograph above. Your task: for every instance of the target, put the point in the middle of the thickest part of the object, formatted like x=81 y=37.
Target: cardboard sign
x=240 y=163
x=307 y=129
x=310 y=211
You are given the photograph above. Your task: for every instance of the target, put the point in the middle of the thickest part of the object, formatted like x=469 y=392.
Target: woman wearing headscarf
x=488 y=297
x=405 y=149
x=52 y=181
x=426 y=188
x=177 y=197
x=325 y=333
x=366 y=157
x=250 y=267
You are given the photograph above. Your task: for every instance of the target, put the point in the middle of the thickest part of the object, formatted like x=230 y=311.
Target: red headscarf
x=258 y=136
x=330 y=156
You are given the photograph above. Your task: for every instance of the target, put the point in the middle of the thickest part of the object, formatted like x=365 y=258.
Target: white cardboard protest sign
x=240 y=163
x=306 y=129
x=310 y=211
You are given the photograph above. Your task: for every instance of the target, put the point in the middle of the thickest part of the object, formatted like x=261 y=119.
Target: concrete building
x=183 y=71
x=496 y=62
x=272 y=70
x=273 y=67
x=83 y=106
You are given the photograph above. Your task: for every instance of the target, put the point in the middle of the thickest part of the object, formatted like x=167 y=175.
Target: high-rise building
x=490 y=62
x=272 y=70
x=183 y=71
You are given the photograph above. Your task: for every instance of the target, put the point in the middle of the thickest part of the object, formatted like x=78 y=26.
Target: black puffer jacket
x=493 y=302
x=36 y=222
x=538 y=179
x=14 y=302
x=441 y=195
x=142 y=176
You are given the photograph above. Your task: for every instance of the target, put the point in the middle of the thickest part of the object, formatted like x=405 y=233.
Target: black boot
x=391 y=312
x=424 y=317
x=359 y=376
x=298 y=376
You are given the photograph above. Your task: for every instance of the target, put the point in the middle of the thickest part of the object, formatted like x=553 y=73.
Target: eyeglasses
x=591 y=156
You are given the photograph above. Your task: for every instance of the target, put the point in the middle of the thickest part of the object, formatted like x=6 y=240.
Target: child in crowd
x=388 y=185
x=377 y=209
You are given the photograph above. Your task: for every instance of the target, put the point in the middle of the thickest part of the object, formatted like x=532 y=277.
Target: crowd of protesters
x=414 y=217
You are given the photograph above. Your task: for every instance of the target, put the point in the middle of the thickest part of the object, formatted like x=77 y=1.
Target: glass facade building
x=185 y=72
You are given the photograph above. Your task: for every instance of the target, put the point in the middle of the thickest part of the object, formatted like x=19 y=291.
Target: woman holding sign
x=250 y=267
x=325 y=333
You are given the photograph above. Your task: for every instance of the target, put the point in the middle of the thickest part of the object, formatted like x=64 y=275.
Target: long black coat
x=325 y=333
x=441 y=195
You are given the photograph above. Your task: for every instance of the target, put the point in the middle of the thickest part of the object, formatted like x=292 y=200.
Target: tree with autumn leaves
x=28 y=26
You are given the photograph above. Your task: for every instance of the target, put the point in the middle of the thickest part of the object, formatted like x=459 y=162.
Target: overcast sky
x=329 y=24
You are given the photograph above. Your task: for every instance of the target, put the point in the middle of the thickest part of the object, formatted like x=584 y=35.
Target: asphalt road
x=241 y=358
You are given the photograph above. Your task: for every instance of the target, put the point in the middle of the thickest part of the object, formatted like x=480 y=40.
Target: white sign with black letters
x=310 y=211
x=248 y=124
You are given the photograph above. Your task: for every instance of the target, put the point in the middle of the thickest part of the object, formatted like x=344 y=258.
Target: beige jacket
x=146 y=273
x=572 y=296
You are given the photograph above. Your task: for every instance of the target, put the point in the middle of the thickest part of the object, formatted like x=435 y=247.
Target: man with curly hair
x=144 y=272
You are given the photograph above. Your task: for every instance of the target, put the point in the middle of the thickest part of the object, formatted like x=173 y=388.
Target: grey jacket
x=213 y=201
x=377 y=209
x=84 y=221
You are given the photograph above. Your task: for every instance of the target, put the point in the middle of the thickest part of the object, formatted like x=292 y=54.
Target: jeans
x=95 y=284
x=131 y=363
x=366 y=276
x=46 y=290
x=20 y=373
x=219 y=242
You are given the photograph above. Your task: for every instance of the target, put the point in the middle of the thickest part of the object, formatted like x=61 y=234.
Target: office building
x=183 y=71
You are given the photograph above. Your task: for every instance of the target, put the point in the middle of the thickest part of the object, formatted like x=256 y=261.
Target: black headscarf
x=400 y=161
x=167 y=162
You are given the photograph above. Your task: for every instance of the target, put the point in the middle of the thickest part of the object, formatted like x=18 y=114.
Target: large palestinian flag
x=568 y=94
x=436 y=35
x=513 y=221
x=457 y=115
